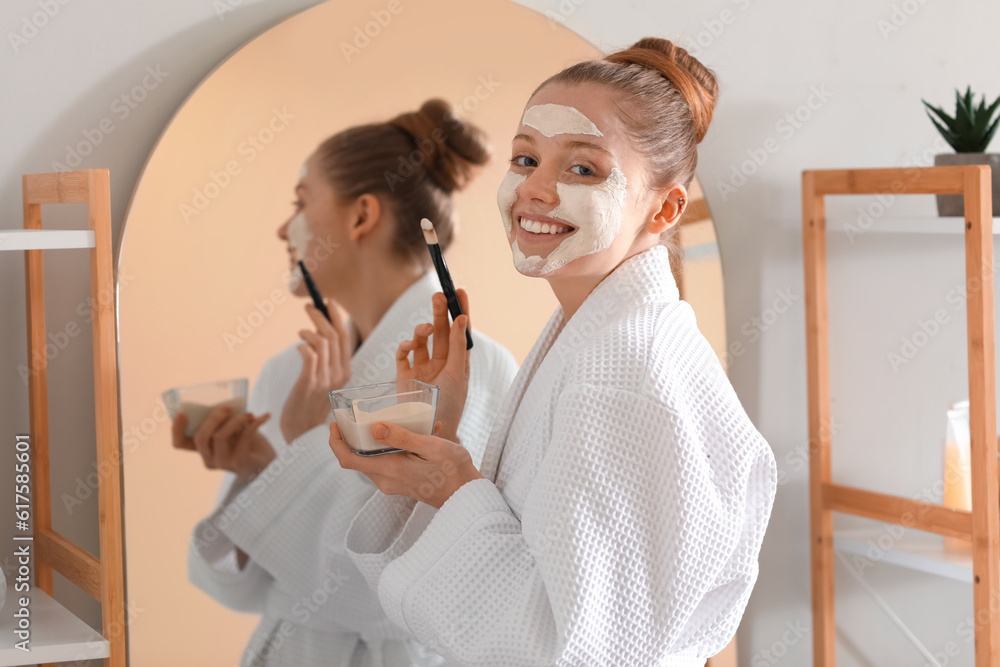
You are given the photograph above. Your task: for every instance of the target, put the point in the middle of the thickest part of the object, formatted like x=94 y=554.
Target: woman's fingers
x=403 y=357
x=226 y=437
x=340 y=449
x=320 y=346
x=441 y=326
x=463 y=300
x=177 y=428
x=420 y=352
x=343 y=346
x=393 y=435
x=250 y=428
x=334 y=335
x=324 y=327
x=203 y=436
x=458 y=355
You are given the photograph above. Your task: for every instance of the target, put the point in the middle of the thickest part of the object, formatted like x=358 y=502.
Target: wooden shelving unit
x=981 y=526
x=56 y=634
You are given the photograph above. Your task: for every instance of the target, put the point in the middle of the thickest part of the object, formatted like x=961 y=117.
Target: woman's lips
x=541 y=229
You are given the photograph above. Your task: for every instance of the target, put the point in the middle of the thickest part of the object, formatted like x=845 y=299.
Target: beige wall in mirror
x=208 y=298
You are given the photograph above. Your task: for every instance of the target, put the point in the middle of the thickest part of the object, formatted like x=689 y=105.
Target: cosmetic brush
x=447 y=286
x=314 y=292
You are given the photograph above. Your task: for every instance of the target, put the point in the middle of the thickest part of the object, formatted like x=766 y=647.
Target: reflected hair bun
x=450 y=149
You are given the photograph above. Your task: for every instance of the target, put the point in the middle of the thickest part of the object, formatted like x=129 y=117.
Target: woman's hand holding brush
x=447 y=366
x=326 y=365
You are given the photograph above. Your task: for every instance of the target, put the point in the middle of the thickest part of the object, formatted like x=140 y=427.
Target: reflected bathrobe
x=625 y=499
x=291 y=520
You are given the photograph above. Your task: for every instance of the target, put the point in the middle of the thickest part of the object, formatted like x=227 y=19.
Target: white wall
x=770 y=57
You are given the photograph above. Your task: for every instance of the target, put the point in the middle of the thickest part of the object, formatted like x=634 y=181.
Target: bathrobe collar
x=642 y=279
x=376 y=358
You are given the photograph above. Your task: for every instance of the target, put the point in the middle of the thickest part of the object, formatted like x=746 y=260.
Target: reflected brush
x=447 y=286
x=314 y=292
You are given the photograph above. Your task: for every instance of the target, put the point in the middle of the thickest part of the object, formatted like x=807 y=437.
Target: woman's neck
x=573 y=289
x=367 y=305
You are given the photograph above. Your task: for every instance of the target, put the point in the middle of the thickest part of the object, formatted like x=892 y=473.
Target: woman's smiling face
x=575 y=197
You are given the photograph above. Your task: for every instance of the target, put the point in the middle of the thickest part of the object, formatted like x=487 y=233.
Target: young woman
x=619 y=509
x=274 y=544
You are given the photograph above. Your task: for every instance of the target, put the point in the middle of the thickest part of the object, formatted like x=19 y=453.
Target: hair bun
x=692 y=79
x=451 y=148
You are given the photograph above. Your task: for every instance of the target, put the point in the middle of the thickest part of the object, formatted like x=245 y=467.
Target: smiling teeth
x=537 y=227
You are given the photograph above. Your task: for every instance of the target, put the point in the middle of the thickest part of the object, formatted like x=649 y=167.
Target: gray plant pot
x=954 y=205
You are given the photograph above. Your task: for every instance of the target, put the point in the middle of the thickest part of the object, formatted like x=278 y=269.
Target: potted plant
x=968 y=132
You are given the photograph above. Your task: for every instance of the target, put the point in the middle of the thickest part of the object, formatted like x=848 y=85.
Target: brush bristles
x=429 y=234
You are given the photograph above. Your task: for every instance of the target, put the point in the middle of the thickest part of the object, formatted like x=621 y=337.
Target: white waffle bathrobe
x=625 y=498
x=292 y=519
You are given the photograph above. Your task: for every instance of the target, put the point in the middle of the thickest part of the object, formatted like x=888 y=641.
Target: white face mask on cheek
x=299 y=237
x=594 y=210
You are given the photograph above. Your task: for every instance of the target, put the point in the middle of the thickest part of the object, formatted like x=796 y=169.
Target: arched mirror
x=207 y=296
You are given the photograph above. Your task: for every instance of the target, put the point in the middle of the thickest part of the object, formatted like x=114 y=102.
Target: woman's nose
x=540 y=186
x=283 y=230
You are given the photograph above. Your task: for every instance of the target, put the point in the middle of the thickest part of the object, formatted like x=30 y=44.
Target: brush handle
x=448 y=287
x=314 y=292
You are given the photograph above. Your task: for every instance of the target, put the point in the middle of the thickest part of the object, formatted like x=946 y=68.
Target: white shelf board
x=915 y=550
x=56 y=634
x=46 y=239
x=929 y=224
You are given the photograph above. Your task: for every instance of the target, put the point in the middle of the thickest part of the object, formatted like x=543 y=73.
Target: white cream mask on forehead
x=553 y=119
x=594 y=210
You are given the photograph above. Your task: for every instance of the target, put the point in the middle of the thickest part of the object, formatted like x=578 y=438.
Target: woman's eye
x=586 y=171
x=297 y=205
x=524 y=161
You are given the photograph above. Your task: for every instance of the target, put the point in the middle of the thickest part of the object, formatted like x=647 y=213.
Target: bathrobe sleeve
x=639 y=540
x=212 y=564
x=296 y=514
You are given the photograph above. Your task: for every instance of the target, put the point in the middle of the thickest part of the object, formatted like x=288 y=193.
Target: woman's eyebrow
x=587 y=144
x=576 y=143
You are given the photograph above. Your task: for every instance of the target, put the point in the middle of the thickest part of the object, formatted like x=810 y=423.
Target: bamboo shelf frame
x=103 y=578
x=981 y=526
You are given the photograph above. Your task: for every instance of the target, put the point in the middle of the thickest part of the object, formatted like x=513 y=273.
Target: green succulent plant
x=970 y=130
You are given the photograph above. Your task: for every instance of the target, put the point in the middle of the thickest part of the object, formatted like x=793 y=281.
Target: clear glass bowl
x=410 y=403
x=198 y=400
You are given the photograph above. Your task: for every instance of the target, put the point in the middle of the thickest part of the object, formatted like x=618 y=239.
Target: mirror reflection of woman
x=274 y=543
x=618 y=512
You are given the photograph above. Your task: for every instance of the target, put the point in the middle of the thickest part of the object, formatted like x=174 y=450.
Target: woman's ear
x=671 y=209
x=365 y=215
